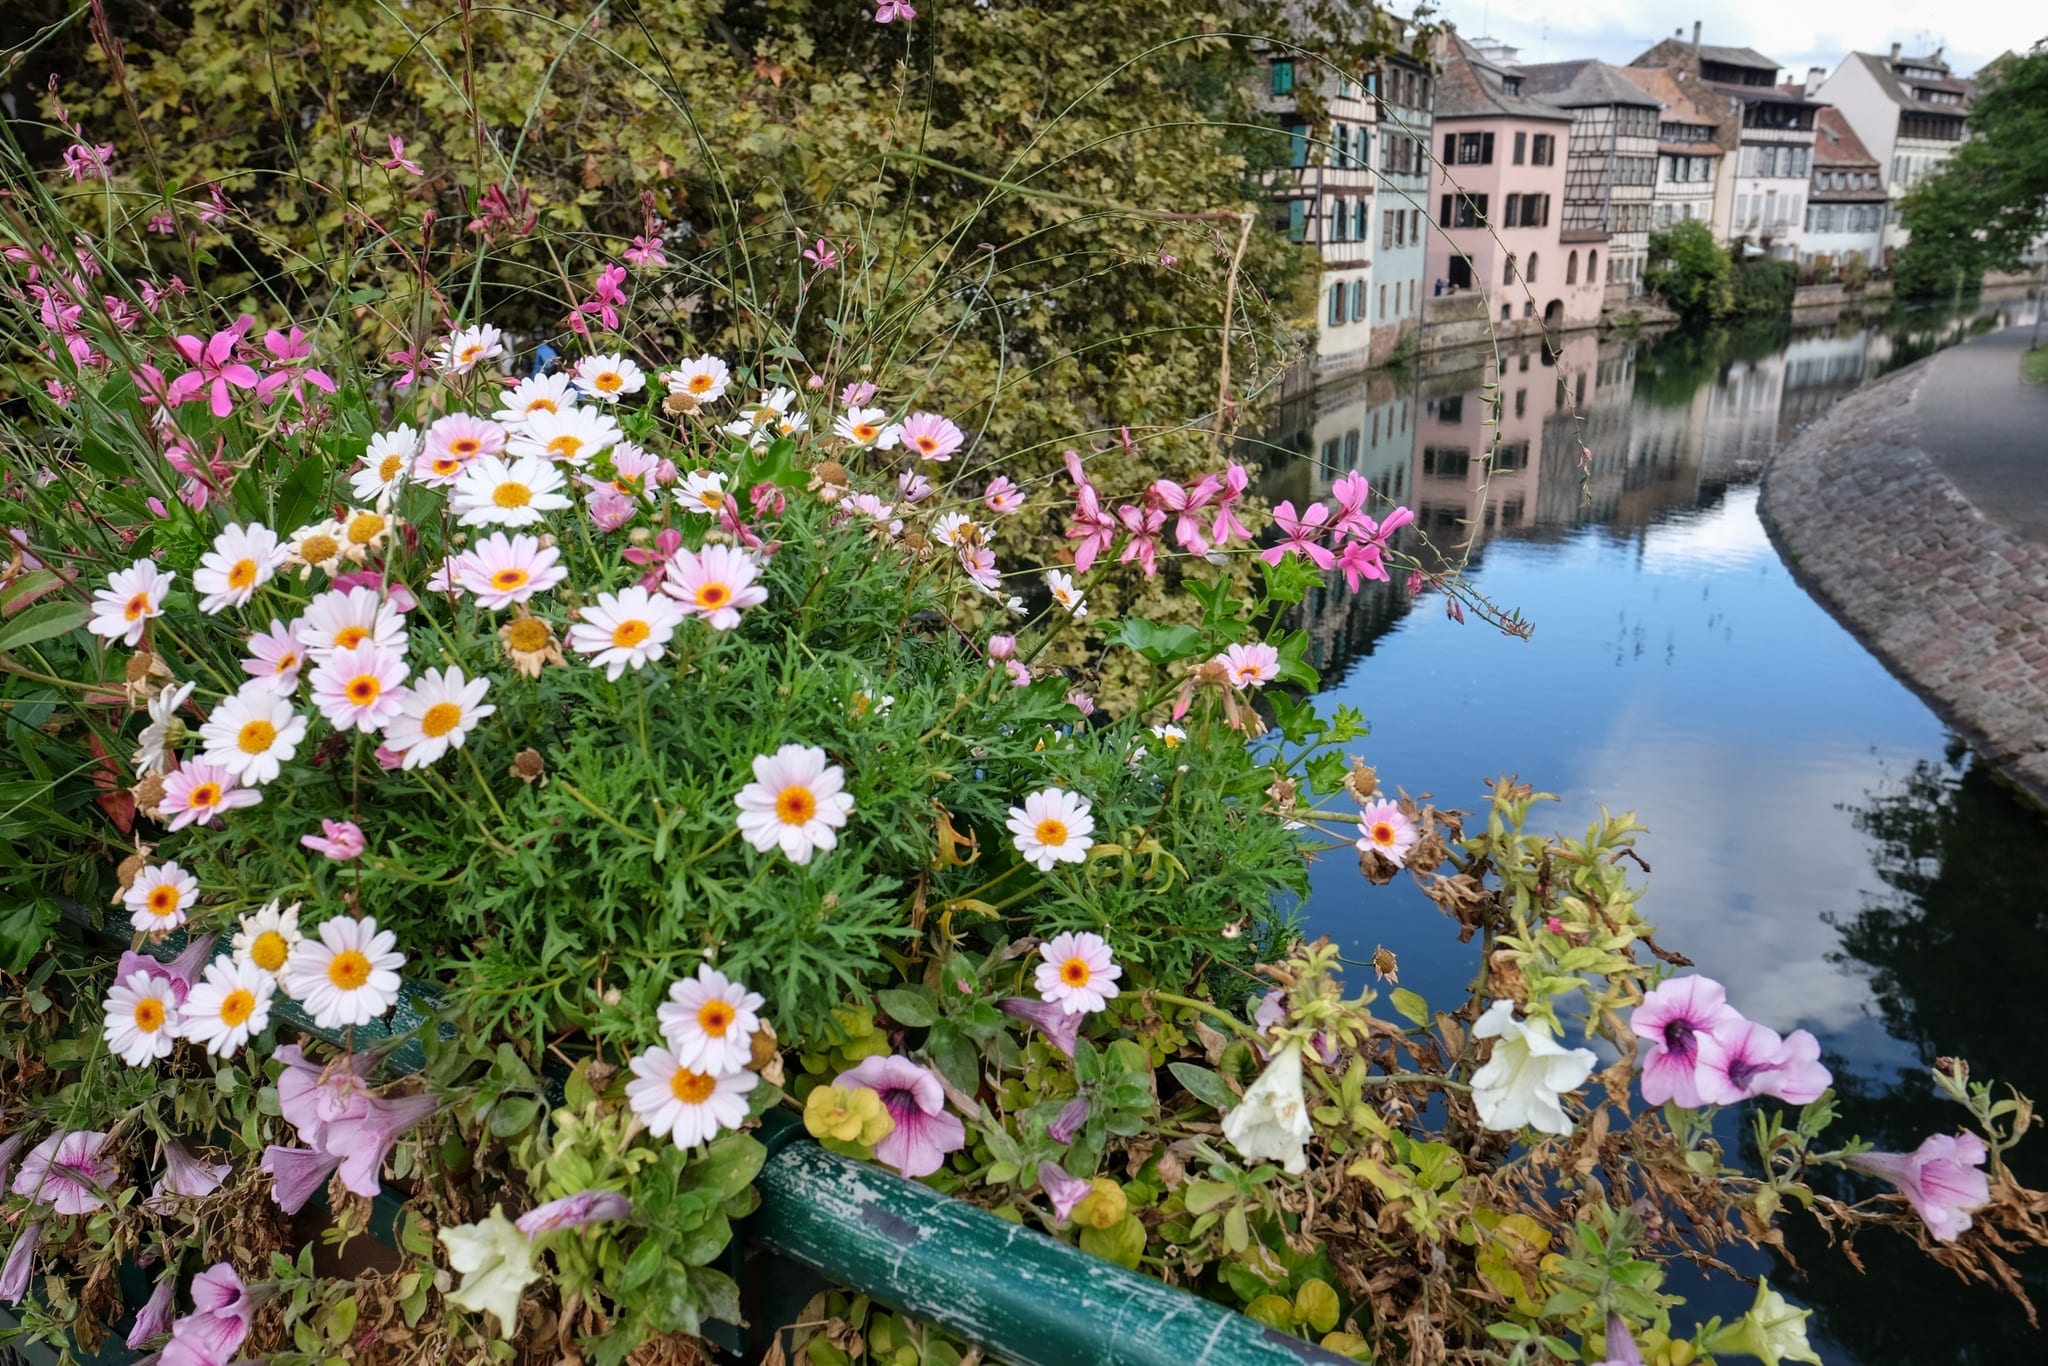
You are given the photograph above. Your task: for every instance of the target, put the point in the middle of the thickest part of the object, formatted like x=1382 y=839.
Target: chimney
x=1895 y=52
x=1695 y=35
x=1814 y=76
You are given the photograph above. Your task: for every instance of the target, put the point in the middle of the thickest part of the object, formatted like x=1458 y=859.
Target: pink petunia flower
x=1679 y=1018
x=1941 y=1179
x=1753 y=1061
x=339 y=840
x=66 y=1172
x=155 y=1315
x=213 y=1333
x=1059 y=1027
x=297 y=1174
x=912 y=1095
x=21 y=1262
x=574 y=1211
x=1063 y=1190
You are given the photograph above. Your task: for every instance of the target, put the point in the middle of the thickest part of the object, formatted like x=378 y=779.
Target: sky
x=1796 y=35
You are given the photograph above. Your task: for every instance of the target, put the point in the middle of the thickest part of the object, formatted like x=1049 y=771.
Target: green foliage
x=1763 y=286
x=1691 y=271
x=1988 y=203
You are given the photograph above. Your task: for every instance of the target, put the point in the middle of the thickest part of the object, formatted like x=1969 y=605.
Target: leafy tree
x=1691 y=270
x=1989 y=201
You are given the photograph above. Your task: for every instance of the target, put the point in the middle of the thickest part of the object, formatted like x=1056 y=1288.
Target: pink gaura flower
x=666 y=543
x=912 y=1095
x=1301 y=534
x=1250 y=666
x=822 y=255
x=339 y=840
x=645 y=253
x=198 y=792
x=1679 y=1018
x=215 y=370
x=889 y=11
x=607 y=297
x=1941 y=1179
x=66 y=1172
x=83 y=162
x=288 y=348
x=1753 y=1061
x=1145 y=525
x=1064 y=1191
x=929 y=435
x=398 y=161
x=1186 y=502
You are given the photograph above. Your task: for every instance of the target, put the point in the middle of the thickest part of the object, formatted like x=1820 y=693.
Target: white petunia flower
x=267 y=939
x=1271 y=1123
x=436 y=712
x=1520 y=1084
x=609 y=378
x=710 y=1021
x=797 y=800
x=573 y=436
x=688 y=1106
x=159 y=741
x=252 y=733
x=385 y=464
x=228 y=1005
x=242 y=558
x=491 y=492
x=1053 y=826
x=122 y=610
x=337 y=620
x=141 y=1018
x=535 y=394
x=349 y=975
x=626 y=629
x=159 y=897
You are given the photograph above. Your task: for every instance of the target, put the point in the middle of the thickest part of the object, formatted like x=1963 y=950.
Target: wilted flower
x=1063 y=1190
x=1772 y=1331
x=496 y=1262
x=155 y=1315
x=1942 y=1180
x=1271 y=1124
x=1059 y=1027
x=1520 y=1084
x=574 y=1211
x=1068 y=1122
x=21 y=1262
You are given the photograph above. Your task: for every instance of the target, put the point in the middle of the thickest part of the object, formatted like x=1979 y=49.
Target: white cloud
x=1722 y=538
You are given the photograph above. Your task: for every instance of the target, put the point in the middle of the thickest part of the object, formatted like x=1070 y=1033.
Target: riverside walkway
x=1916 y=511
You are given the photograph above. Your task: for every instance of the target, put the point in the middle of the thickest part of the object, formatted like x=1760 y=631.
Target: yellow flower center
x=1074 y=972
x=149 y=1014
x=505 y=580
x=468 y=354
x=713 y=595
x=627 y=634
x=865 y=432
x=243 y=575
x=287 y=661
x=610 y=381
x=319 y=549
x=269 y=951
x=348 y=969
x=348 y=637
x=1052 y=831
x=364 y=689
x=443 y=466
x=237 y=1006
x=795 y=805
x=715 y=1017
x=203 y=796
x=256 y=737
x=700 y=384
x=528 y=634
x=163 y=900
x=565 y=447
x=691 y=1088
x=389 y=468
x=542 y=405
x=712 y=499
x=441 y=718
x=512 y=495
x=1170 y=740
x=137 y=607
x=364 y=528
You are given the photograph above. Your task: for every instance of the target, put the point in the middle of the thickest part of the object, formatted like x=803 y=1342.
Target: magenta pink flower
x=822 y=256
x=1092 y=527
x=298 y=1174
x=1235 y=480
x=1679 y=1018
x=66 y=1172
x=646 y=253
x=155 y=1316
x=1941 y=1179
x=608 y=509
x=911 y=486
x=1052 y=1019
x=666 y=544
x=1301 y=534
x=1186 y=502
x=339 y=840
x=856 y=394
x=215 y=369
x=1145 y=525
x=1752 y=1060
x=1064 y=1191
x=1350 y=493
x=768 y=499
x=162 y=224
x=1360 y=560
x=213 y=1333
x=574 y=1211
x=1001 y=648
x=607 y=297
x=889 y=11
x=85 y=163
x=288 y=348
x=912 y=1095
x=311 y=1096
x=398 y=160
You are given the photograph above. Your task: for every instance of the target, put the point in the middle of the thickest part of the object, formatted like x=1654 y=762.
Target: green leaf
x=104 y=462
x=514 y=1116
x=1202 y=1196
x=1160 y=644
x=1411 y=1007
x=1272 y=1311
x=1204 y=1085
x=1315 y=1304
x=42 y=622
x=1123 y=1242
x=299 y=497
x=728 y=1166
x=913 y=1006
x=24 y=927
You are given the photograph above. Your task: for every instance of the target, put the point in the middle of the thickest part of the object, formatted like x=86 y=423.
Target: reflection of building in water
x=1742 y=414
x=1478 y=443
x=1820 y=370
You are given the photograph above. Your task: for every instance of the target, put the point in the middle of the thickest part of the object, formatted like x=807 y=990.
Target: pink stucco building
x=1497 y=198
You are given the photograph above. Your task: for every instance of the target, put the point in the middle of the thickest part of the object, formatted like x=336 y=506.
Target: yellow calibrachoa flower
x=847 y=1114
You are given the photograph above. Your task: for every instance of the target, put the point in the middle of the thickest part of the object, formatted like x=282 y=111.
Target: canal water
x=1819 y=841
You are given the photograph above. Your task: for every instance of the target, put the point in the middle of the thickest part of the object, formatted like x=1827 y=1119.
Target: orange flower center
x=927 y=444
x=348 y=970
x=700 y=384
x=512 y=495
x=149 y=1015
x=444 y=466
x=441 y=718
x=364 y=689
x=269 y=951
x=627 y=634
x=237 y=1006
x=256 y=737
x=565 y=447
x=610 y=381
x=865 y=431
x=287 y=661
x=465 y=446
x=1052 y=831
x=542 y=405
x=243 y=575
x=713 y=595
x=364 y=528
x=203 y=796
x=163 y=899
x=715 y=1017
x=348 y=637
x=137 y=607
x=319 y=549
x=468 y=354
x=506 y=580
x=389 y=468
x=795 y=805
x=1383 y=833
x=691 y=1088
x=1074 y=972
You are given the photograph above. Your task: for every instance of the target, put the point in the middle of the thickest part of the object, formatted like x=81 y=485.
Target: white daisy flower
x=337 y=620
x=198 y=792
x=626 y=629
x=317 y=545
x=121 y=610
x=573 y=436
x=758 y=422
x=276 y=656
x=715 y=583
x=702 y=492
x=609 y=378
x=452 y=443
x=494 y=493
x=141 y=1018
x=159 y=741
x=268 y=939
x=535 y=394
x=349 y=975
x=796 y=801
x=469 y=348
x=710 y=1021
x=242 y=557
x=958 y=530
x=436 y=712
x=385 y=464
x=862 y=426
x=703 y=379
x=159 y=897
x=1065 y=594
x=1078 y=974
x=1053 y=826
x=1170 y=736
x=502 y=570
x=363 y=532
x=252 y=733
x=688 y=1106
x=227 y=1006
x=360 y=689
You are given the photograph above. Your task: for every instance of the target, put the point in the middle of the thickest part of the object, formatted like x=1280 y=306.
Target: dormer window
x=1511 y=84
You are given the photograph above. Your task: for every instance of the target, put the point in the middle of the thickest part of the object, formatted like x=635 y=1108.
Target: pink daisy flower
x=715 y=583
x=1003 y=497
x=339 y=840
x=197 y=793
x=1384 y=830
x=1250 y=666
x=1078 y=973
x=929 y=435
x=276 y=655
x=502 y=569
x=360 y=688
x=454 y=441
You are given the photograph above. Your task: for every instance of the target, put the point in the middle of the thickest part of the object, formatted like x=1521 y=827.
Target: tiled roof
x=1835 y=143
x=1895 y=88
x=1577 y=84
x=1469 y=86
x=1656 y=82
x=1737 y=56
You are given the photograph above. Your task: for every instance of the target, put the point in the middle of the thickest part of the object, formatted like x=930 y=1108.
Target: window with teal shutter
x=1297 y=220
x=1297 y=144
x=1283 y=78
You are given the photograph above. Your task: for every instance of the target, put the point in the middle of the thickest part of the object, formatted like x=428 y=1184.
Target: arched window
x=1571 y=269
x=1507 y=271
x=1592 y=267
x=1530 y=273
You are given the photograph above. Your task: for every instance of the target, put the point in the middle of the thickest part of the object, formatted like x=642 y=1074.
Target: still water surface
x=1820 y=842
